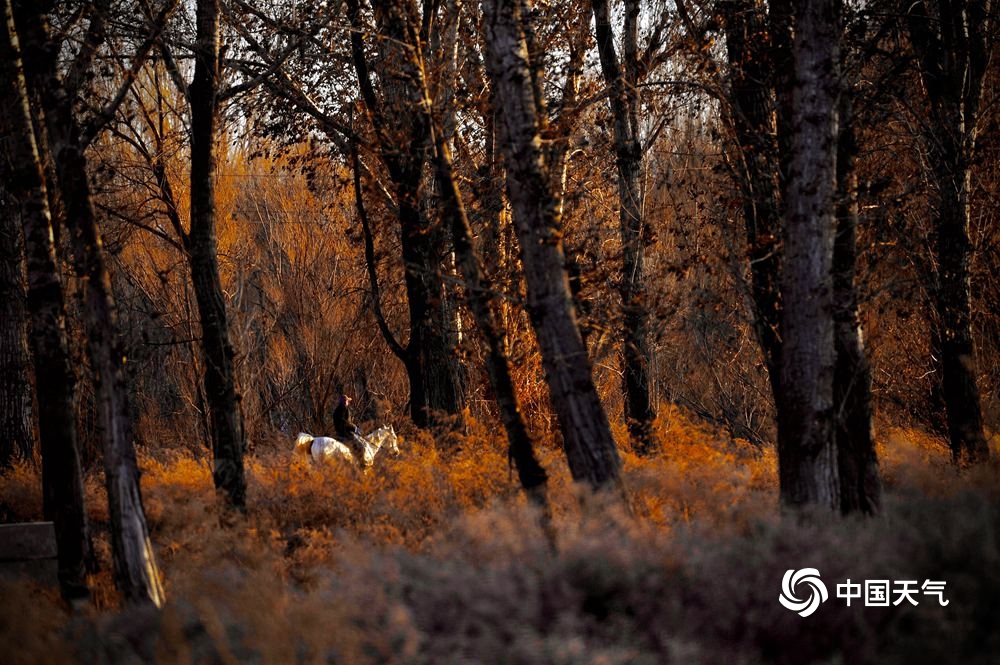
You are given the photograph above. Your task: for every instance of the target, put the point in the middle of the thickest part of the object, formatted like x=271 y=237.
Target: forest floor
x=436 y=557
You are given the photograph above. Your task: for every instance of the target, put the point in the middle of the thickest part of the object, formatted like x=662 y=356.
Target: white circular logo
x=817 y=591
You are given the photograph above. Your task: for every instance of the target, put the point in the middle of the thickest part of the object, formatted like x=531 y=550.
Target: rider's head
x=345 y=400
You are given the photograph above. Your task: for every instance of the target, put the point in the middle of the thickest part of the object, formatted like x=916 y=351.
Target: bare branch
x=81 y=65
x=383 y=325
x=95 y=124
x=165 y=52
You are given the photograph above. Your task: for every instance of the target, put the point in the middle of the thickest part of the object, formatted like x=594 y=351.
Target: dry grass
x=438 y=559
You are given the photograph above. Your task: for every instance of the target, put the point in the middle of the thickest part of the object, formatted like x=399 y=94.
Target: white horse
x=326 y=448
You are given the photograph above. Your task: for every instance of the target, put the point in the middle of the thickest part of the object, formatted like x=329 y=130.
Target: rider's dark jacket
x=342 y=424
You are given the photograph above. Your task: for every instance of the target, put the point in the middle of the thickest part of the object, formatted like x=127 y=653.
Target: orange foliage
x=21 y=498
x=700 y=474
x=435 y=553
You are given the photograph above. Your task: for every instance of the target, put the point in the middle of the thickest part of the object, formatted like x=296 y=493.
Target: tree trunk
x=478 y=292
x=16 y=435
x=431 y=360
x=954 y=313
x=753 y=58
x=807 y=455
x=587 y=440
x=857 y=463
x=756 y=168
x=403 y=140
x=521 y=444
x=220 y=388
x=136 y=572
x=952 y=54
x=623 y=99
x=62 y=482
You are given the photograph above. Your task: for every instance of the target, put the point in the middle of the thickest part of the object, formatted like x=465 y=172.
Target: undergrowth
x=436 y=557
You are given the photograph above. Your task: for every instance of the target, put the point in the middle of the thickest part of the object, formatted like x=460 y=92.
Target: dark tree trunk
x=16 y=435
x=623 y=99
x=756 y=167
x=136 y=572
x=954 y=317
x=62 y=482
x=404 y=141
x=478 y=292
x=587 y=440
x=220 y=387
x=952 y=54
x=860 y=484
x=762 y=129
x=807 y=455
x=431 y=362
x=521 y=444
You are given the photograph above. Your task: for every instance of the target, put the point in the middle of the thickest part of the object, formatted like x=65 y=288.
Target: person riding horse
x=344 y=428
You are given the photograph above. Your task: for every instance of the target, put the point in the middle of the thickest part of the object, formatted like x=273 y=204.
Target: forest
x=510 y=331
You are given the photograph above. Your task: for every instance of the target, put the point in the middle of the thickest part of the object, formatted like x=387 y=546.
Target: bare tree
x=478 y=291
x=228 y=441
x=953 y=44
x=21 y=169
x=136 y=572
x=752 y=116
x=289 y=56
x=403 y=139
x=807 y=453
x=765 y=114
x=16 y=435
x=621 y=74
x=857 y=462
x=589 y=446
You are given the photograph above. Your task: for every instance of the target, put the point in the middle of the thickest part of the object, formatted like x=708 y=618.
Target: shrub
x=436 y=557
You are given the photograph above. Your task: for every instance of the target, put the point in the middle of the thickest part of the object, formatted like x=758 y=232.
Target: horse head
x=303 y=443
x=391 y=440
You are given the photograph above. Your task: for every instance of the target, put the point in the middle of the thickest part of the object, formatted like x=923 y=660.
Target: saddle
x=352 y=441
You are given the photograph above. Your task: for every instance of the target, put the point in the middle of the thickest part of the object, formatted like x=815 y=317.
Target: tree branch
x=92 y=40
x=168 y=59
x=95 y=124
x=383 y=325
